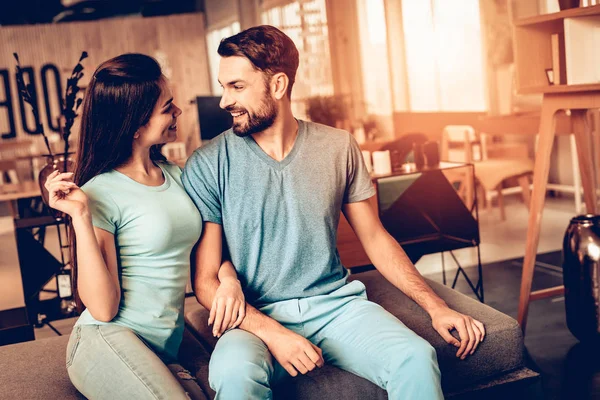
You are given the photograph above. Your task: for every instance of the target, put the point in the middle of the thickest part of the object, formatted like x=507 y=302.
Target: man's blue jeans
x=354 y=334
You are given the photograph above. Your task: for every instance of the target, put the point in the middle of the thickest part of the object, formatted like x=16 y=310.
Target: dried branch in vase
x=29 y=96
x=71 y=103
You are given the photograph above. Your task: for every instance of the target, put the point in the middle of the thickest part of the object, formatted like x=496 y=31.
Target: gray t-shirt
x=280 y=218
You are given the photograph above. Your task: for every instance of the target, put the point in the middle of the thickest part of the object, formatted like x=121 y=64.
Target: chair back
x=403 y=146
x=8 y=168
x=174 y=151
x=460 y=143
x=14 y=161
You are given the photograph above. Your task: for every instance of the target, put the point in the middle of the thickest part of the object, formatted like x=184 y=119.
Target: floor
x=569 y=369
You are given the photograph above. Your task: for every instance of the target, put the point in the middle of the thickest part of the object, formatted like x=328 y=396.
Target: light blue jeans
x=354 y=334
x=112 y=362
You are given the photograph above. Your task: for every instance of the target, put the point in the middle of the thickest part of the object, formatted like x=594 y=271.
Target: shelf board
x=571 y=13
x=560 y=88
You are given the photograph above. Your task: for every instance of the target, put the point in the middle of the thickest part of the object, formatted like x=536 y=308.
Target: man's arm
x=388 y=257
x=294 y=353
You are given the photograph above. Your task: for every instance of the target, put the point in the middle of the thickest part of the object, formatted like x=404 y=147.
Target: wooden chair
x=8 y=168
x=15 y=161
x=175 y=152
x=460 y=143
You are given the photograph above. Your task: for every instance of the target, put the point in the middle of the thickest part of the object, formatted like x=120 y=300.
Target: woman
x=135 y=228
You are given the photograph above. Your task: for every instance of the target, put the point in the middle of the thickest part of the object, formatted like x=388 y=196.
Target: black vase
x=418 y=155
x=431 y=150
x=581 y=274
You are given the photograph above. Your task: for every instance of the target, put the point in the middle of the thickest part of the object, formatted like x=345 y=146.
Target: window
x=444 y=55
x=213 y=39
x=374 y=56
x=305 y=22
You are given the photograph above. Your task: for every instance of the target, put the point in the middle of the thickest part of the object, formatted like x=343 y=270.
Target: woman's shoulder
x=98 y=182
x=100 y=185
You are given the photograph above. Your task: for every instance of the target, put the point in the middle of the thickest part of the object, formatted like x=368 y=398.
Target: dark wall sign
x=50 y=87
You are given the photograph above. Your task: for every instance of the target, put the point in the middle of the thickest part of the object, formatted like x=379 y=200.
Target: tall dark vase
x=581 y=274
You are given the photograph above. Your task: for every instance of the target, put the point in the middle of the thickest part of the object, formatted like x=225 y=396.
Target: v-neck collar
x=279 y=165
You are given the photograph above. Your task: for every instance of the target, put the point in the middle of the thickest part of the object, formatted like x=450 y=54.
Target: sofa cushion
x=500 y=352
x=37 y=369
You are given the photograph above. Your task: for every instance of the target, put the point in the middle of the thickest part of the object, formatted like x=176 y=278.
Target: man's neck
x=278 y=140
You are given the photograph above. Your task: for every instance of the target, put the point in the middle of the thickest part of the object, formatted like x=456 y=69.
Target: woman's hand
x=228 y=308
x=65 y=195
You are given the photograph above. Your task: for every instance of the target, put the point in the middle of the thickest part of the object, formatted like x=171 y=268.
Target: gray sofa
x=36 y=370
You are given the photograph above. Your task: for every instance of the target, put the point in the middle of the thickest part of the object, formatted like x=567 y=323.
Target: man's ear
x=279 y=85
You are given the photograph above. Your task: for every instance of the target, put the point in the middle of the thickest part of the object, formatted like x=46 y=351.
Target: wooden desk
x=16 y=191
x=11 y=192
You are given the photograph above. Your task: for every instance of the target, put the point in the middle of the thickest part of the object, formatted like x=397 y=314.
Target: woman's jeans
x=112 y=362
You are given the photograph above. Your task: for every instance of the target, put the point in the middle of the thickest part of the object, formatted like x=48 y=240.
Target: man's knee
x=238 y=361
x=420 y=357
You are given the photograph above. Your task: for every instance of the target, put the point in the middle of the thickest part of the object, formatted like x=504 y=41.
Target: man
x=273 y=188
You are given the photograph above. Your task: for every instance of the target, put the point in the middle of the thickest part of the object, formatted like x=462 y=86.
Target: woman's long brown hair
x=119 y=100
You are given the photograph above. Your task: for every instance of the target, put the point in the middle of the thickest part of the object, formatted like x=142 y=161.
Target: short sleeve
x=359 y=186
x=104 y=210
x=200 y=183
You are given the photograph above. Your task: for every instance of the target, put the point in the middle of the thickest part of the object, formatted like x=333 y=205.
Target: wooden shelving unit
x=535 y=52
x=559 y=88
x=558 y=16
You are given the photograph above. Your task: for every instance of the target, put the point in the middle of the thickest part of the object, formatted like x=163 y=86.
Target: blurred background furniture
x=565 y=42
x=212 y=118
x=38 y=267
x=8 y=169
x=424 y=213
x=15 y=161
x=175 y=152
x=528 y=124
x=401 y=148
x=461 y=143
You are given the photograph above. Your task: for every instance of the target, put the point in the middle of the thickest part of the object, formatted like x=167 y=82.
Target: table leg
x=586 y=168
x=526 y=191
x=13 y=205
x=538 y=195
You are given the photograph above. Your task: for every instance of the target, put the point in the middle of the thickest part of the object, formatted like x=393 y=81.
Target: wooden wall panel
x=177 y=41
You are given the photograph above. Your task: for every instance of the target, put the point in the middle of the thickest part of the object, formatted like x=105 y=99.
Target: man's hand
x=294 y=353
x=470 y=330
x=228 y=308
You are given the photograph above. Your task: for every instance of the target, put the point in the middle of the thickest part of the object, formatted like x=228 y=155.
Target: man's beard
x=256 y=122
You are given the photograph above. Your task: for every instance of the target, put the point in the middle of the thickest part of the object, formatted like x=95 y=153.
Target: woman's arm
x=97 y=275
x=97 y=271
x=215 y=282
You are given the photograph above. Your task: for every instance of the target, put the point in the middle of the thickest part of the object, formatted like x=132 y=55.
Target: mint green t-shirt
x=155 y=229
